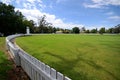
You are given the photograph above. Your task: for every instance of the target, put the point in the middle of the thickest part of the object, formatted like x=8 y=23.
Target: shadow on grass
x=5 y=66
x=70 y=64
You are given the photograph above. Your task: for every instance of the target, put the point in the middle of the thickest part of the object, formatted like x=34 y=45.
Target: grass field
x=5 y=64
x=80 y=57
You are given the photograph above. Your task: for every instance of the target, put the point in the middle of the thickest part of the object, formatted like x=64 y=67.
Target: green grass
x=80 y=57
x=5 y=64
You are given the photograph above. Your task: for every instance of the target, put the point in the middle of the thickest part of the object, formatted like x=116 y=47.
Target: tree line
x=12 y=22
x=113 y=30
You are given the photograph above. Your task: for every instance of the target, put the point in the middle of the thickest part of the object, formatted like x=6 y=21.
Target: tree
x=83 y=29
x=102 y=30
x=30 y=24
x=110 y=30
x=94 y=30
x=117 y=29
x=54 y=30
x=87 y=31
x=43 y=24
x=11 y=22
x=76 y=30
x=66 y=31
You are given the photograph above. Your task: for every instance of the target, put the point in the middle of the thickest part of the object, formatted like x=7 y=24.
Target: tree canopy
x=76 y=30
x=11 y=21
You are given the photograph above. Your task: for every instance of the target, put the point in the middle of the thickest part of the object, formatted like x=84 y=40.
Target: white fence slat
x=40 y=77
x=59 y=76
x=32 y=74
x=47 y=69
x=53 y=73
x=27 y=66
x=39 y=64
x=66 y=78
x=43 y=66
x=12 y=55
x=43 y=78
x=37 y=76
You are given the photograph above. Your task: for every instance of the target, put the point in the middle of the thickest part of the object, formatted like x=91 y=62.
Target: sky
x=71 y=13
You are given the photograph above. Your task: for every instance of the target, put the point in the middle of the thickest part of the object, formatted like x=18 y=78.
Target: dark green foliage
x=117 y=29
x=30 y=24
x=11 y=22
x=87 y=31
x=94 y=31
x=102 y=30
x=76 y=30
x=114 y=30
x=110 y=30
x=44 y=26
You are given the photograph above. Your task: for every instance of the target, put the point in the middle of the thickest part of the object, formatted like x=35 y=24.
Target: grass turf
x=5 y=64
x=80 y=57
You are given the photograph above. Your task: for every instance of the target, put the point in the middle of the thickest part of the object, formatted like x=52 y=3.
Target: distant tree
x=30 y=24
x=102 y=30
x=87 y=31
x=11 y=22
x=66 y=31
x=43 y=24
x=36 y=29
x=94 y=30
x=54 y=30
x=83 y=29
x=50 y=29
x=110 y=30
x=117 y=29
x=76 y=30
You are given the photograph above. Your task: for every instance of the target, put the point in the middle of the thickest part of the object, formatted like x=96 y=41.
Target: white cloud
x=101 y=3
x=34 y=14
x=110 y=13
x=107 y=2
x=59 y=1
x=95 y=27
x=6 y=1
x=31 y=1
x=31 y=12
x=115 y=18
x=28 y=6
x=91 y=5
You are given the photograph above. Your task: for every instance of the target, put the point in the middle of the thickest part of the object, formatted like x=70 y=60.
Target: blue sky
x=71 y=13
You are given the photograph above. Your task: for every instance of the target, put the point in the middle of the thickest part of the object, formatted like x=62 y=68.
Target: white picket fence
x=34 y=68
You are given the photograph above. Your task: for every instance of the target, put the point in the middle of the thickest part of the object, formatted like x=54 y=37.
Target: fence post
x=6 y=44
x=17 y=57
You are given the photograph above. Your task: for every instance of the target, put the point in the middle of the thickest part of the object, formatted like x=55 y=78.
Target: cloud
x=91 y=5
x=115 y=18
x=59 y=1
x=34 y=14
x=101 y=3
x=6 y=1
x=112 y=16
x=110 y=13
x=32 y=10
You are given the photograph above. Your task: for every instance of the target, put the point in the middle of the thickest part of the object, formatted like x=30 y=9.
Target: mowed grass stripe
x=80 y=57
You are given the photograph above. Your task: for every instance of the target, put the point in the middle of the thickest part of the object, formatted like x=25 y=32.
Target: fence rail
x=34 y=68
